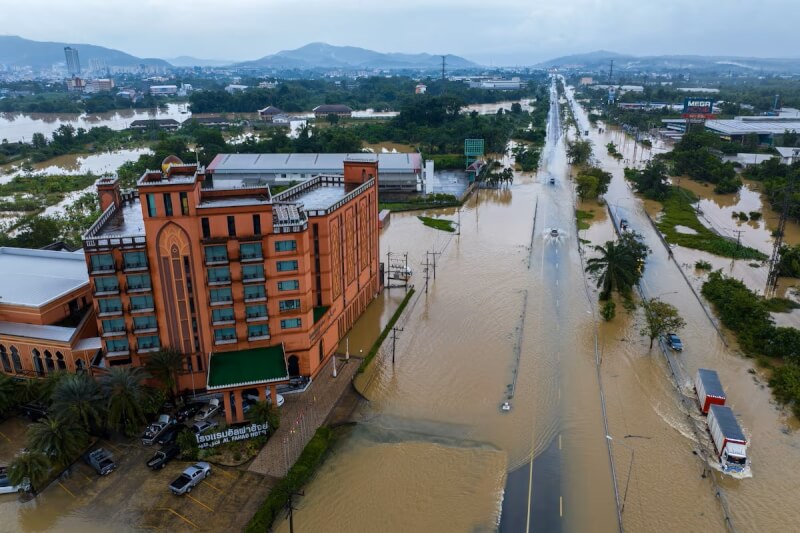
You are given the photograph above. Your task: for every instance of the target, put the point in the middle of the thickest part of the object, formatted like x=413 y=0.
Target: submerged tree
x=660 y=318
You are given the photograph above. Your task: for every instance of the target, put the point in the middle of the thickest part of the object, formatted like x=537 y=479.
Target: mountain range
x=19 y=52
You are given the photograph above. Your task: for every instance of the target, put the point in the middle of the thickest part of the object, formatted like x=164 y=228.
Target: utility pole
x=738 y=233
x=459 y=221
x=394 y=340
x=772 y=278
x=427 y=272
x=434 y=254
x=611 y=71
x=290 y=509
x=444 y=64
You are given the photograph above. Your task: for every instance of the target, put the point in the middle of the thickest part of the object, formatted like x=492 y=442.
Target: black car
x=163 y=456
x=170 y=435
x=188 y=411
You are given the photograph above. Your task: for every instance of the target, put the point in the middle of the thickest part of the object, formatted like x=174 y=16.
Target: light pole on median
x=630 y=469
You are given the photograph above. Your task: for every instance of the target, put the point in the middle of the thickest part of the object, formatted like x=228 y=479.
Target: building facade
x=73 y=61
x=251 y=288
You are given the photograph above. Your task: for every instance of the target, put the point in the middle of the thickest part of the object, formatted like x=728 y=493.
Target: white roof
x=92 y=343
x=34 y=278
x=307 y=163
x=745 y=126
x=33 y=331
x=788 y=151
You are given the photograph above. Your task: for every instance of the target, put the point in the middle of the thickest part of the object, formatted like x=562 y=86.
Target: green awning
x=256 y=366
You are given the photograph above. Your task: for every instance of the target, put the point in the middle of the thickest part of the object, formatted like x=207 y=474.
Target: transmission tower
x=611 y=71
x=772 y=278
x=444 y=64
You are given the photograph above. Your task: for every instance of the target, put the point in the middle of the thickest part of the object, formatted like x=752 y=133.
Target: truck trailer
x=709 y=389
x=728 y=438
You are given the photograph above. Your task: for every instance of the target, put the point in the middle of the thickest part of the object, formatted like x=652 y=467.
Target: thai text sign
x=211 y=440
x=698 y=106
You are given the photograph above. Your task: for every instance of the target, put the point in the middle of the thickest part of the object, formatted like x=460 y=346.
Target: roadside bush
x=187 y=442
x=608 y=311
x=702 y=265
x=755 y=215
x=785 y=383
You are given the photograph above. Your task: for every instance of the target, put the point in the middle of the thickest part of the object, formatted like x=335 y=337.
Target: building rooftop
x=332 y=108
x=125 y=221
x=256 y=366
x=320 y=193
x=35 y=277
x=34 y=331
x=238 y=164
x=787 y=151
x=743 y=126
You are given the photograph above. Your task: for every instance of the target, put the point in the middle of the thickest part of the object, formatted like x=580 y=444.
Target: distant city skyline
x=500 y=33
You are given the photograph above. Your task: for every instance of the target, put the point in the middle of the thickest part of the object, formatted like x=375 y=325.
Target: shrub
x=702 y=265
x=608 y=311
x=755 y=215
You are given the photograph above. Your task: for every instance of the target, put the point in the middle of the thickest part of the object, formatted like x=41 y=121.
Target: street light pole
x=630 y=469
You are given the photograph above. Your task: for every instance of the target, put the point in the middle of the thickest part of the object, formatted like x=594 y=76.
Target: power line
x=394 y=340
x=772 y=277
x=434 y=254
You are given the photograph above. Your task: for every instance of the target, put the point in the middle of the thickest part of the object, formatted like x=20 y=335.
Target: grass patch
x=702 y=265
x=781 y=305
x=441 y=224
x=377 y=344
x=678 y=211
x=582 y=217
x=430 y=201
x=297 y=476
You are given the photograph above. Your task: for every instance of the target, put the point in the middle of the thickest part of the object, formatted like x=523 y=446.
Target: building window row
x=106 y=284
x=109 y=305
x=291 y=323
x=286 y=266
x=257 y=331
x=144 y=323
x=152 y=211
x=205 y=226
x=253 y=273
x=289 y=305
x=222 y=315
x=142 y=303
x=102 y=263
x=117 y=346
x=150 y=343
x=286 y=246
x=289 y=285
x=139 y=282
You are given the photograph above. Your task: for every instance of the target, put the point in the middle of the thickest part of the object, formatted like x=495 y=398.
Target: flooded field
x=100 y=163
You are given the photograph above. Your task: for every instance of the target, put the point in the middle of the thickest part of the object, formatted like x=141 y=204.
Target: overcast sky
x=491 y=32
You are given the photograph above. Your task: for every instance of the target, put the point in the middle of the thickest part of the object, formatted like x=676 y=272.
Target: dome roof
x=169 y=161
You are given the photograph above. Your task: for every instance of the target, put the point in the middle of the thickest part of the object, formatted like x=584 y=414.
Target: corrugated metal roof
x=711 y=383
x=308 y=163
x=727 y=422
x=35 y=277
x=743 y=127
x=33 y=331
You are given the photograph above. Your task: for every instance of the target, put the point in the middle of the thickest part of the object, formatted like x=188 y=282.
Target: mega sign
x=698 y=106
x=210 y=440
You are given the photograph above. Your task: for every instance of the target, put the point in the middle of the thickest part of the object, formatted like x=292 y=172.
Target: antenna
x=611 y=71
x=444 y=64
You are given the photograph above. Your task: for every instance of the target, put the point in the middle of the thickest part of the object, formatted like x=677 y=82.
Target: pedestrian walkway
x=302 y=414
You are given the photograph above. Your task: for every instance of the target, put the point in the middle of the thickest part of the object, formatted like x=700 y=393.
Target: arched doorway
x=5 y=359
x=294 y=366
x=37 y=362
x=62 y=365
x=16 y=360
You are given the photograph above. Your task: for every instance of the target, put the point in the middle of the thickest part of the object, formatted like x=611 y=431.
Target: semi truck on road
x=709 y=389
x=728 y=438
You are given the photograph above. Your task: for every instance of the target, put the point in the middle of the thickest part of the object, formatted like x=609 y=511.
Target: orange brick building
x=252 y=288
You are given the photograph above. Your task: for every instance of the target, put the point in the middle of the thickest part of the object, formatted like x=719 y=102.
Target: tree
x=660 y=318
x=579 y=152
x=31 y=466
x=264 y=412
x=39 y=141
x=164 y=365
x=78 y=397
x=652 y=181
x=332 y=119
x=618 y=266
x=123 y=387
x=592 y=182
x=187 y=442
x=61 y=440
x=9 y=393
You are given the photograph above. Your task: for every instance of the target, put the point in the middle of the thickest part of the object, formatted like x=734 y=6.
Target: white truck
x=189 y=478
x=709 y=389
x=728 y=438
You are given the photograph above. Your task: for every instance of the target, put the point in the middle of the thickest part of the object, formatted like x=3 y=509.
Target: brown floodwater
x=99 y=163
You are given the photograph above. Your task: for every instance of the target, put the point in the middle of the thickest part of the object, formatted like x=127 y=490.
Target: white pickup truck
x=189 y=478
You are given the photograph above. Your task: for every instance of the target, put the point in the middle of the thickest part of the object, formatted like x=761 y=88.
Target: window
x=148 y=343
x=184 y=203
x=144 y=322
x=250 y=250
x=286 y=246
x=289 y=305
x=222 y=315
x=252 y=272
x=106 y=284
x=137 y=282
x=221 y=295
x=215 y=254
x=206 y=227
x=110 y=305
x=102 y=263
x=117 y=345
x=254 y=292
x=286 y=266
x=231 y=226
x=290 y=323
x=219 y=275
x=224 y=335
x=256 y=311
x=6 y=360
x=257 y=330
x=16 y=360
x=116 y=325
x=168 y=204
x=134 y=260
x=151 y=205
x=256 y=224
x=139 y=303
x=289 y=285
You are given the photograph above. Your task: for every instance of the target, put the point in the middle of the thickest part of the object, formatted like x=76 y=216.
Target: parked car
x=208 y=410
x=7 y=488
x=170 y=435
x=203 y=425
x=33 y=411
x=188 y=411
x=101 y=460
x=156 y=429
x=552 y=181
x=189 y=478
x=623 y=224
x=252 y=398
x=674 y=342
x=163 y=456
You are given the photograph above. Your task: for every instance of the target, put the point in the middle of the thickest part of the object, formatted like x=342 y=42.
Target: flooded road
x=506 y=315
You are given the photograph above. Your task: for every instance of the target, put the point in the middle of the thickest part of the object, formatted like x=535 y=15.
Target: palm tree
x=59 y=439
x=31 y=390
x=9 y=396
x=49 y=384
x=31 y=466
x=615 y=269
x=164 y=365
x=123 y=387
x=262 y=412
x=77 y=396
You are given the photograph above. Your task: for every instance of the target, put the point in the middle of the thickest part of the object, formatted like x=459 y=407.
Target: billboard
x=698 y=107
x=250 y=431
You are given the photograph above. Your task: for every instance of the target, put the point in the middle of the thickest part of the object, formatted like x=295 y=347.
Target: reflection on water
x=101 y=163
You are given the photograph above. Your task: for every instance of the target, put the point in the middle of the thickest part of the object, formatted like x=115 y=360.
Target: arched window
x=48 y=361
x=62 y=365
x=294 y=366
x=5 y=360
x=79 y=366
x=15 y=359
x=37 y=362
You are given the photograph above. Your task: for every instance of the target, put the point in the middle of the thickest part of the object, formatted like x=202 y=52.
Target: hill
x=19 y=52
x=322 y=55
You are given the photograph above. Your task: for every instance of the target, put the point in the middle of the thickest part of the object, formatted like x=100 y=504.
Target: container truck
x=709 y=389
x=729 y=440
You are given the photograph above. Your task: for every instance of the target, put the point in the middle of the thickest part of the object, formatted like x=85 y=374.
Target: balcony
x=222 y=280
x=134 y=267
x=250 y=299
x=106 y=291
x=114 y=332
x=257 y=318
x=216 y=260
x=139 y=288
x=118 y=353
x=224 y=322
x=102 y=269
x=259 y=338
x=148 y=348
x=109 y=311
x=225 y=339
x=250 y=258
x=252 y=278
x=140 y=309
x=227 y=301
x=147 y=328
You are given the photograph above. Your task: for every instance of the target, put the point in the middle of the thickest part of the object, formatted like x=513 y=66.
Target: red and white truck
x=728 y=437
x=709 y=389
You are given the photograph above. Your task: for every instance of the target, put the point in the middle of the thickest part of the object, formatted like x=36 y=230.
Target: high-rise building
x=252 y=288
x=73 y=62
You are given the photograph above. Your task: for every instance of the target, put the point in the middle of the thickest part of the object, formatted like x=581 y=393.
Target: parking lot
x=133 y=497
